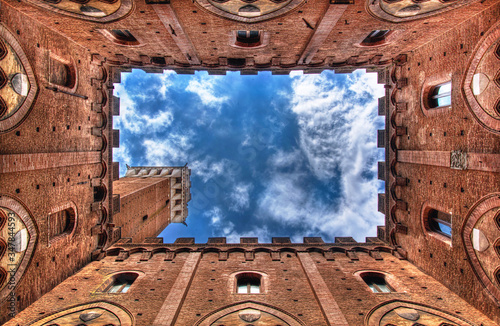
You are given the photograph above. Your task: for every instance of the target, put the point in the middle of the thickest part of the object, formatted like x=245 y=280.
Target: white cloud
x=204 y=86
x=207 y=168
x=132 y=120
x=240 y=197
x=122 y=155
x=337 y=133
x=165 y=82
x=167 y=151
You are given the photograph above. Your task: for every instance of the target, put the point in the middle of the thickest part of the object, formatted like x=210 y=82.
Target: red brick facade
x=56 y=137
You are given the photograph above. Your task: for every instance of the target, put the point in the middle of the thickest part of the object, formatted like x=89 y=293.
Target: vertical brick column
x=322 y=31
x=173 y=303
x=328 y=305
x=437 y=158
x=37 y=161
x=169 y=19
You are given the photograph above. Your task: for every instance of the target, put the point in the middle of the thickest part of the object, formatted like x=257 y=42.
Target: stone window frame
x=427 y=229
x=433 y=95
x=390 y=37
x=70 y=229
x=428 y=86
x=110 y=35
x=264 y=40
x=233 y=282
x=110 y=279
x=71 y=68
x=389 y=279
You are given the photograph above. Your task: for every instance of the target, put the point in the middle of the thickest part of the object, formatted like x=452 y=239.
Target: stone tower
x=150 y=199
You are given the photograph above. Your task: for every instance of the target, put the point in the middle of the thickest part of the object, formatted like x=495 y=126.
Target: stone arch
x=483 y=105
x=250 y=13
x=406 y=10
x=102 y=11
x=24 y=244
x=282 y=315
x=108 y=313
x=22 y=91
x=427 y=230
x=482 y=216
x=72 y=221
x=394 y=311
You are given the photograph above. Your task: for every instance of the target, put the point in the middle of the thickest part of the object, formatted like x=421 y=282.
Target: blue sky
x=270 y=155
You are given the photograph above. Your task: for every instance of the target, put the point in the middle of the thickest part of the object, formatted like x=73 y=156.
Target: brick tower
x=150 y=199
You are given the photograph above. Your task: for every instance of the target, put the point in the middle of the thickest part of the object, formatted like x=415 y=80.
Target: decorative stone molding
x=481 y=93
x=106 y=12
x=100 y=312
x=458 y=160
x=23 y=89
x=399 y=312
x=259 y=10
x=254 y=306
x=406 y=10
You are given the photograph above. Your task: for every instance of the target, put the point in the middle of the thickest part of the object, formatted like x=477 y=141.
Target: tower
x=150 y=199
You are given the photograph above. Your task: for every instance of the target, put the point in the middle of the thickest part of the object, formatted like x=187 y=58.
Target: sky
x=270 y=156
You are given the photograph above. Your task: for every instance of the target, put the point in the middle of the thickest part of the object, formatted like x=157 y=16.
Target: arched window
x=248 y=283
x=61 y=74
x=61 y=222
x=121 y=283
x=124 y=37
x=440 y=96
x=439 y=222
x=376 y=37
x=376 y=282
x=99 y=193
x=248 y=39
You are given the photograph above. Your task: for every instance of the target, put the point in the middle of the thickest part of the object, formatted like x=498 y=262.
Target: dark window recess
x=123 y=36
x=159 y=61
x=440 y=96
x=99 y=193
x=248 y=38
x=178 y=202
x=248 y=283
x=61 y=222
x=377 y=283
x=178 y=180
x=439 y=222
x=178 y=191
x=121 y=283
x=236 y=62
x=376 y=37
x=61 y=74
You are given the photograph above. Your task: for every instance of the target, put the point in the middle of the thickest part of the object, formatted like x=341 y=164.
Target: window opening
x=248 y=38
x=248 y=283
x=121 y=283
x=124 y=37
x=440 y=95
x=376 y=37
x=61 y=222
x=377 y=284
x=440 y=222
